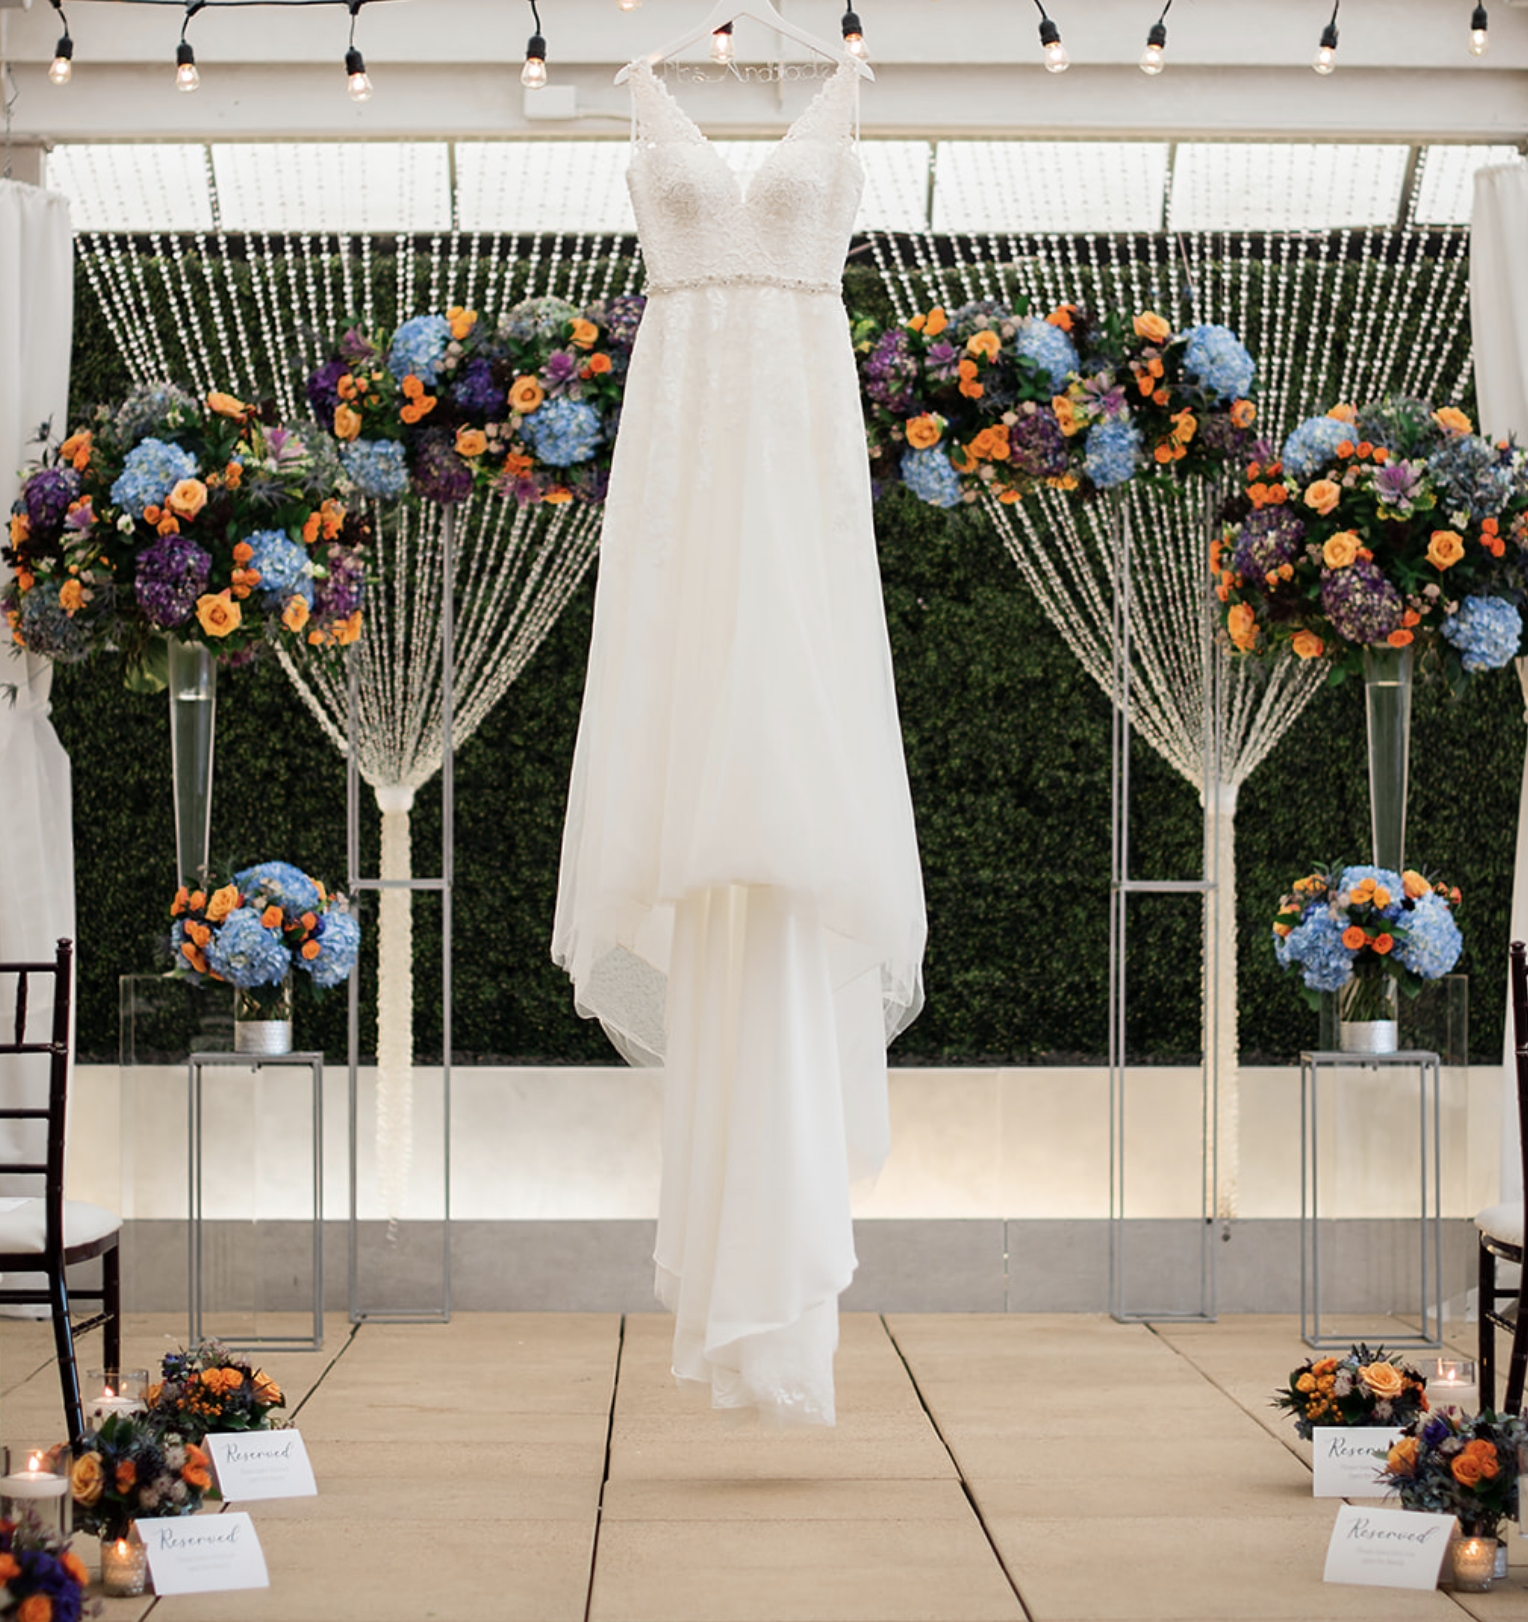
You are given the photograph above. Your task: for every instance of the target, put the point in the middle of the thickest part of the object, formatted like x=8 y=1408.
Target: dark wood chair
x=1501 y=1231
x=48 y=1234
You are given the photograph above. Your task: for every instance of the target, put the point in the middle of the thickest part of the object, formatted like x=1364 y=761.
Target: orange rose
x=271 y=918
x=1385 y=1380
x=471 y=442
x=1243 y=414
x=311 y=949
x=1400 y=639
x=347 y=631
x=76 y=449
x=1344 y=413
x=1151 y=326
x=1323 y=495
x=1353 y=937
x=126 y=1475
x=597 y=366
x=1444 y=549
x=936 y=322
x=87 y=1480
x=525 y=394
x=218 y=614
x=986 y=342
x=585 y=334
x=1453 y=421
x=924 y=431
x=1307 y=645
x=295 y=614
x=1066 y=415
x=267 y=1391
x=1402 y=1458
x=1241 y=622
x=1340 y=549
x=243 y=552
x=76 y=1567
x=222 y=902
x=71 y=596
x=347 y=422
x=462 y=321
x=1467 y=1468
x=1414 y=884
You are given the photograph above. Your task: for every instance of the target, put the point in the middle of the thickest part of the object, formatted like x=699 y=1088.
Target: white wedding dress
x=740 y=897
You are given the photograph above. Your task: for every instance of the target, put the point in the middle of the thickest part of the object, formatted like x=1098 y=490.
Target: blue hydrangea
x=245 y=952
x=339 y=944
x=419 y=346
x=287 y=886
x=150 y=472
x=376 y=467
x=1429 y=943
x=1385 y=878
x=1045 y=345
x=1486 y=631
x=1315 y=946
x=537 y=318
x=928 y=474
x=1313 y=444
x=1218 y=362
x=563 y=431
x=1112 y=448
x=282 y=566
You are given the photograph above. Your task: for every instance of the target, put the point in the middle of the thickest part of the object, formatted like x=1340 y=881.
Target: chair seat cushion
x=23 y=1228
x=1503 y=1222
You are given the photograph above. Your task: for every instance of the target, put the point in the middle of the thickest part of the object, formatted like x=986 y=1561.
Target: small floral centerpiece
x=255 y=928
x=41 y=1579
x=990 y=399
x=1358 y=930
x=207 y=521
x=1363 y=1388
x=451 y=404
x=209 y=1389
x=1390 y=526
x=1456 y=1464
x=133 y=1466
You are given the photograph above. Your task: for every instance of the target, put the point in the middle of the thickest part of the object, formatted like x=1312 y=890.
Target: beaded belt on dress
x=793 y=284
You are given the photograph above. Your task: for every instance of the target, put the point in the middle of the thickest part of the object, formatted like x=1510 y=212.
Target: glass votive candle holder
x=35 y=1488
x=124 y=1565
x=113 y=1391
x=1452 y=1384
x=1474 y=1564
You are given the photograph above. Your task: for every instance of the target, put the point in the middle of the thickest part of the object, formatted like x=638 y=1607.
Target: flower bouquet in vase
x=1366 y=934
x=1352 y=1409
x=210 y=1389
x=252 y=932
x=41 y=1578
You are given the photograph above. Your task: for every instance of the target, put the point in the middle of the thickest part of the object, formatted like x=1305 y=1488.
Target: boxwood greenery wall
x=1008 y=751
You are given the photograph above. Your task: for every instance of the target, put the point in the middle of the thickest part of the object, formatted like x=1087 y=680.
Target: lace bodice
x=699 y=225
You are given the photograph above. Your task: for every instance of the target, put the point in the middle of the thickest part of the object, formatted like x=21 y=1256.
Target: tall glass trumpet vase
x=193 y=715
x=1387 y=704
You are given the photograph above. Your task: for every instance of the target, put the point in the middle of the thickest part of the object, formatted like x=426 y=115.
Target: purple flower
x=1360 y=602
x=1397 y=484
x=622 y=317
x=172 y=574
x=1270 y=538
x=337 y=596
x=561 y=368
x=48 y=494
x=1103 y=395
x=82 y=516
x=356 y=348
x=890 y=372
x=323 y=389
x=476 y=392
x=439 y=473
x=1037 y=447
x=943 y=361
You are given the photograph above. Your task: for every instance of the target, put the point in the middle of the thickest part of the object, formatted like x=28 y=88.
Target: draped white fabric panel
x=1499 y=323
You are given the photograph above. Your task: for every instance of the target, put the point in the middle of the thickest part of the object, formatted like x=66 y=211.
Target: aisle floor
x=542 y=1468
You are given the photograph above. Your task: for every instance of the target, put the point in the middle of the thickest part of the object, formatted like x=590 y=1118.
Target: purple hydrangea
x=439 y=473
x=1270 y=538
x=890 y=370
x=337 y=596
x=323 y=390
x=622 y=316
x=1360 y=602
x=476 y=392
x=1037 y=447
x=172 y=574
x=47 y=495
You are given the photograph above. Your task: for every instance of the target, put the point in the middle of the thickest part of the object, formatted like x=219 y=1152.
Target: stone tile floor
x=541 y=1467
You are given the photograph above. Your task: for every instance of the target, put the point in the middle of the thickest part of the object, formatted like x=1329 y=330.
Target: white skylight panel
x=334 y=186
x=152 y=186
x=1285 y=186
x=1446 y=181
x=897 y=192
x=1049 y=185
x=533 y=186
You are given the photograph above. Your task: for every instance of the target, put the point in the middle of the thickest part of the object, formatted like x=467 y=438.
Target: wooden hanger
x=726 y=11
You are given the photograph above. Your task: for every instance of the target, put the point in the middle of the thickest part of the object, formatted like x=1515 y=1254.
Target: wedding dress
x=740 y=897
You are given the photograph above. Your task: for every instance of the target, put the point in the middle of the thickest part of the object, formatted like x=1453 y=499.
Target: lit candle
x=1474 y=1563
x=124 y=1567
x=108 y=1403
x=1454 y=1386
x=33 y=1482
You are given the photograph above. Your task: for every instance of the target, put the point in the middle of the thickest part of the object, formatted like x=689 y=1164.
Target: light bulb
x=186 y=76
x=62 y=69
x=533 y=74
x=1056 y=59
x=628 y=5
x=1151 y=59
x=1326 y=52
x=721 y=45
x=1478 y=37
x=854 y=35
x=357 y=80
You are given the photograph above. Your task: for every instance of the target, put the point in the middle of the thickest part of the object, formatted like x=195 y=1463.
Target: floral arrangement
x=1363 y=1388
x=990 y=399
x=1391 y=526
x=41 y=1579
x=208 y=1389
x=1455 y=1464
x=1370 y=924
x=135 y=1467
x=173 y=517
x=449 y=404
x=253 y=930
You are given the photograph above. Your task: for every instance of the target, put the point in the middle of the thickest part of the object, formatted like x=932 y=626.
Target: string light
x=1056 y=59
x=1326 y=51
x=721 y=44
x=357 y=80
x=533 y=74
x=854 y=35
x=1478 y=38
x=628 y=5
x=186 y=76
x=1156 y=43
x=62 y=68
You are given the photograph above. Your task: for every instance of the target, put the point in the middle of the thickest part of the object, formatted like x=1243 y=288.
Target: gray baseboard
x=986 y=1265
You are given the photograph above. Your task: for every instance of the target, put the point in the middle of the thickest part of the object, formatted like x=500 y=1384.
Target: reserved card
x=261 y=1464
x=1387 y=1548
x=1348 y=1458
x=201 y=1554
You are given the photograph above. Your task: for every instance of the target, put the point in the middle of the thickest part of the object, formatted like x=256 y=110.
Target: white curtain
x=1499 y=327
x=36 y=832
